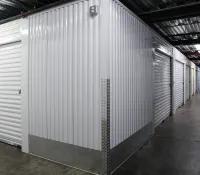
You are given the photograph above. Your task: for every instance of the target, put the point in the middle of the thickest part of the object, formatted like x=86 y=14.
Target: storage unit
x=179 y=89
x=187 y=81
x=162 y=90
x=193 y=81
x=198 y=79
x=10 y=83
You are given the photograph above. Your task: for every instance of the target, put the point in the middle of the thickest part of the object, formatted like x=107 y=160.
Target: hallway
x=174 y=149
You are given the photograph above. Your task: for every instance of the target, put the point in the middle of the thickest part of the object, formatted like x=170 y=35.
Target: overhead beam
x=195 y=53
x=183 y=11
x=184 y=34
x=197 y=59
x=186 y=42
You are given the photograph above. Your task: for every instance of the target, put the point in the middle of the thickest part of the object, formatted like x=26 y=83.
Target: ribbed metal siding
x=10 y=98
x=179 y=82
x=162 y=87
x=10 y=32
x=187 y=90
x=64 y=75
x=131 y=72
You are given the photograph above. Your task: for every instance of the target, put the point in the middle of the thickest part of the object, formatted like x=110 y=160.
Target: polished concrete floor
x=13 y=162
x=174 y=150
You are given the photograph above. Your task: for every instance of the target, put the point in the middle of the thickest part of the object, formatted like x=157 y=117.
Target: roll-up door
x=196 y=81
x=187 y=92
x=162 y=85
x=179 y=84
x=193 y=83
x=10 y=93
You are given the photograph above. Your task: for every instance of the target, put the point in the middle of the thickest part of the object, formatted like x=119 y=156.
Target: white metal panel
x=64 y=75
x=10 y=32
x=179 y=81
x=10 y=98
x=162 y=87
x=131 y=72
x=187 y=85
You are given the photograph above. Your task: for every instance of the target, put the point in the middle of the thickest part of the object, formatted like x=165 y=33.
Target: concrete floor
x=174 y=150
x=13 y=162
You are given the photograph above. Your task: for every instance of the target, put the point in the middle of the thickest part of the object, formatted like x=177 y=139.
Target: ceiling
x=10 y=8
x=178 y=21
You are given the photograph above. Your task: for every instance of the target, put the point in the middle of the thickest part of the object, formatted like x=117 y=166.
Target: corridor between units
x=174 y=149
x=102 y=86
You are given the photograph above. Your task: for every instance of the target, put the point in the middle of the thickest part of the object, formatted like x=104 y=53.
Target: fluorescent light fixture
x=197 y=46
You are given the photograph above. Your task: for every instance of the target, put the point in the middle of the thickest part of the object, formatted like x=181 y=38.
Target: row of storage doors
x=162 y=86
x=10 y=90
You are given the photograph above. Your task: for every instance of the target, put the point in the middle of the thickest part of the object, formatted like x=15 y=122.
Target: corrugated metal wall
x=131 y=73
x=64 y=75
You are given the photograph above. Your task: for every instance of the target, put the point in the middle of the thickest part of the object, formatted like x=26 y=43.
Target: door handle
x=19 y=91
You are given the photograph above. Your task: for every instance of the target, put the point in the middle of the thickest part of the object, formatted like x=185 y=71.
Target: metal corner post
x=24 y=84
x=105 y=84
x=105 y=125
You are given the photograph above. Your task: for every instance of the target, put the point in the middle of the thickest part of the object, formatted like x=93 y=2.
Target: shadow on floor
x=13 y=162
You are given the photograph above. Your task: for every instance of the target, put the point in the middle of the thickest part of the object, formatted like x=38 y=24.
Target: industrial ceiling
x=178 y=21
x=11 y=8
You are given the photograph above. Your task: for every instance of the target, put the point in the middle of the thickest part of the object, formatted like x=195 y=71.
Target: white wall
x=64 y=75
x=131 y=73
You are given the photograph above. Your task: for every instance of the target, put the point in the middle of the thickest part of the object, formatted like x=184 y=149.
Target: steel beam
x=183 y=11
x=184 y=34
x=185 y=42
x=197 y=59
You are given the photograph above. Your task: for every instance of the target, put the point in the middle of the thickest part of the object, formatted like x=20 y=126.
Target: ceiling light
x=197 y=46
